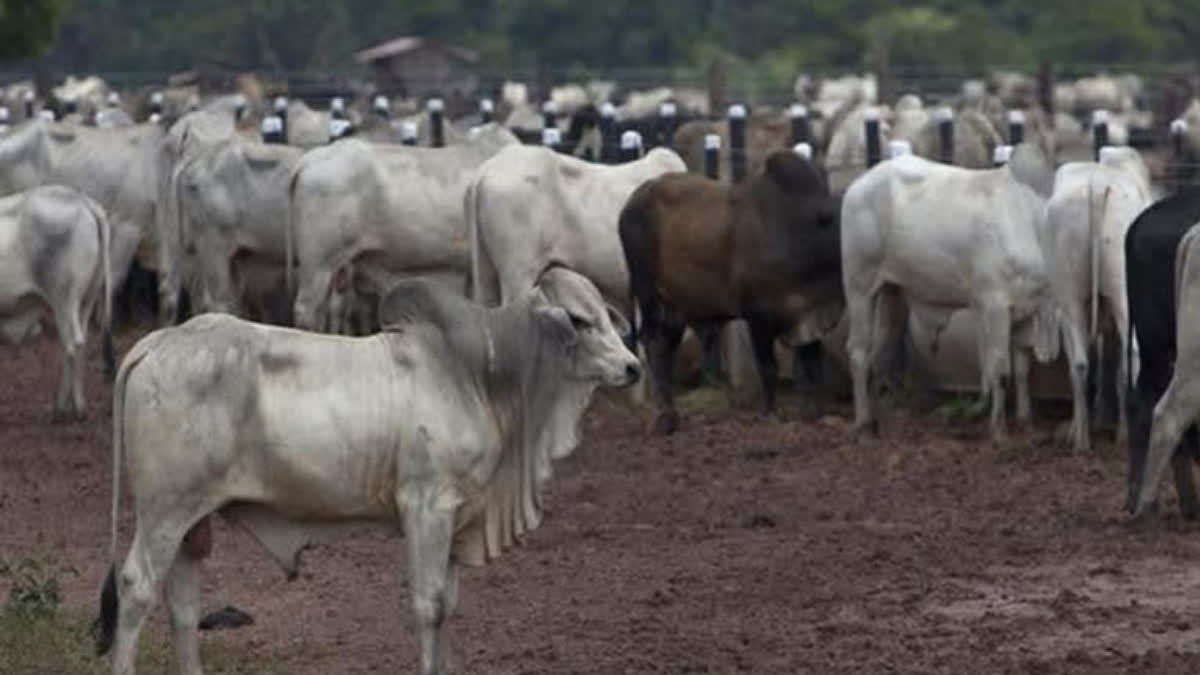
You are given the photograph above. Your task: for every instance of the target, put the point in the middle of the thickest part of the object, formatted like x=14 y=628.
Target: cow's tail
x=483 y=284
x=639 y=241
x=104 y=230
x=288 y=234
x=1095 y=232
x=105 y=628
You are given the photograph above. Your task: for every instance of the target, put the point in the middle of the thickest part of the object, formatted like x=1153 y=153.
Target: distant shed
x=416 y=67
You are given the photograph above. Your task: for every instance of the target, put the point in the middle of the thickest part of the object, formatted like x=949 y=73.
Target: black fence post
x=737 y=142
x=549 y=113
x=1016 y=127
x=945 y=126
x=408 y=132
x=712 y=156
x=1099 y=132
x=801 y=129
x=382 y=107
x=437 y=132
x=874 y=141
x=272 y=129
x=631 y=146
x=668 y=120
x=1179 y=128
x=608 y=142
x=1001 y=155
x=29 y=98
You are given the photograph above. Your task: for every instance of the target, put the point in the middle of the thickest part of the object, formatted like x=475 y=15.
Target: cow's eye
x=580 y=323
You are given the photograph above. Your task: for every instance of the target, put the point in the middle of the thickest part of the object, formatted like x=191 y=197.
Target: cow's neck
x=536 y=409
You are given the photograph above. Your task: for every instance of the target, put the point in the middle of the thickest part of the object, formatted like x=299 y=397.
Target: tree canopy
x=767 y=39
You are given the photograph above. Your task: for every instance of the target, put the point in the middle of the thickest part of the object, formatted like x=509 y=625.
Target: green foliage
x=28 y=27
x=34 y=590
x=772 y=39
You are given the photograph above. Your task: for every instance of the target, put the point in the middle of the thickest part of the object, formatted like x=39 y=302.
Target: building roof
x=407 y=44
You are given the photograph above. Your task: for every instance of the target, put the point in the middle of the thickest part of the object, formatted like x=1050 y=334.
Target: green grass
x=39 y=637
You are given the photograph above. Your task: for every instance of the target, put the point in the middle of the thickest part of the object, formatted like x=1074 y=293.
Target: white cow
x=373 y=211
x=54 y=244
x=233 y=201
x=1179 y=406
x=947 y=238
x=1084 y=236
x=445 y=424
x=529 y=208
x=116 y=167
x=215 y=123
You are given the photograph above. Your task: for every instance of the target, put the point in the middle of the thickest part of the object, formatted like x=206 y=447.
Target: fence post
x=1016 y=127
x=486 y=109
x=437 y=134
x=281 y=104
x=382 y=107
x=339 y=127
x=272 y=129
x=549 y=113
x=945 y=126
x=29 y=97
x=408 y=132
x=631 y=146
x=801 y=131
x=1099 y=132
x=1179 y=127
x=897 y=148
x=712 y=156
x=667 y=122
x=737 y=142
x=551 y=138
x=239 y=107
x=608 y=114
x=874 y=141
x=1001 y=155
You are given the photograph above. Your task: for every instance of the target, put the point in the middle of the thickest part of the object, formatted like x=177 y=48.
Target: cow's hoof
x=667 y=423
x=226 y=619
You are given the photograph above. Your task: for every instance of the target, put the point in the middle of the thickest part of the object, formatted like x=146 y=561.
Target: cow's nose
x=633 y=372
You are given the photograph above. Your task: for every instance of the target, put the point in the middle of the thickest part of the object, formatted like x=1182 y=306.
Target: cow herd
x=387 y=332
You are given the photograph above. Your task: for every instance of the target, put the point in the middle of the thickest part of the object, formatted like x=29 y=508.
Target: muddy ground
x=738 y=545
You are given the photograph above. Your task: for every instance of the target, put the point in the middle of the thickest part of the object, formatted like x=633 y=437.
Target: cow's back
x=1150 y=248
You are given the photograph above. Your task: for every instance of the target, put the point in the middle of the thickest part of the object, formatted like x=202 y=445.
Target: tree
x=28 y=27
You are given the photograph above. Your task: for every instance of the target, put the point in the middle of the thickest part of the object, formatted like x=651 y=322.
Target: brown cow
x=699 y=251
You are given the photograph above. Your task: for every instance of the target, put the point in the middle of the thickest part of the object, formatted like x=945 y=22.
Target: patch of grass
x=39 y=637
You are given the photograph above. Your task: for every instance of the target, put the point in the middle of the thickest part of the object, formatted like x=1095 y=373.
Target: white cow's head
x=577 y=318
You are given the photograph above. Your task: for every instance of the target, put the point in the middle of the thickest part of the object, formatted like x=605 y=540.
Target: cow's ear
x=620 y=324
x=554 y=322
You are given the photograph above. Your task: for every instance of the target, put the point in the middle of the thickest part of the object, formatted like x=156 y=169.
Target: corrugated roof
x=410 y=43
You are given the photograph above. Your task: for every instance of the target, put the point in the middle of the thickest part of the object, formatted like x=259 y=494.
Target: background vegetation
x=770 y=39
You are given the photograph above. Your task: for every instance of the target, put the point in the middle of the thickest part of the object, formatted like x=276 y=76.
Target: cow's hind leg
x=860 y=346
x=1174 y=413
x=69 y=403
x=183 y=597
x=1077 y=360
x=661 y=337
x=429 y=528
x=149 y=560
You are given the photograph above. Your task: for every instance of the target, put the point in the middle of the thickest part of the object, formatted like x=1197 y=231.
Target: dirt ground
x=740 y=544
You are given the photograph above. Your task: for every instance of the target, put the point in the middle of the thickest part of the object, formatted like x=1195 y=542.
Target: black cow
x=1150 y=246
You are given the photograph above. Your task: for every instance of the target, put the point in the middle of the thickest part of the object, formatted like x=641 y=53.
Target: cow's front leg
x=429 y=527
